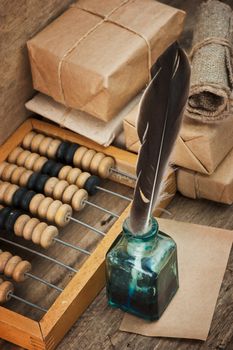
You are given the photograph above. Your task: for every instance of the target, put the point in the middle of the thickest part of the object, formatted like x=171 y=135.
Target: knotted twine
x=211 y=88
x=104 y=19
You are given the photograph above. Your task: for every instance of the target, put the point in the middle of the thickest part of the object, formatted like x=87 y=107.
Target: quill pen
x=159 y=121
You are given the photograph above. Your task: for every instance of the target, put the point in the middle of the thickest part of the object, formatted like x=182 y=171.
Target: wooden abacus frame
x=90 y=278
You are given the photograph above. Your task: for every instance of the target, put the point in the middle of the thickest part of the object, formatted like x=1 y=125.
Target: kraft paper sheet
x=78 y=121
x=202 y=257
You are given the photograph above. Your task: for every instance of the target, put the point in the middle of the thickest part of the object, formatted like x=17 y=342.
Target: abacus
x=50 y=181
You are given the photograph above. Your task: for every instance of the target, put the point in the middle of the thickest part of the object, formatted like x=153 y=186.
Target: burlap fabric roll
x=210 y=97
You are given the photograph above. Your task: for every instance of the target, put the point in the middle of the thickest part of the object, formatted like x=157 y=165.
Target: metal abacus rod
x=7 y=292
x=70 y=245
x=55 y=261
x=36 y=278
x=37 y=163
x=87 y=226
x=16 y=268
x=132 y=177
x=29 y=303
x=72 y=153
x=9 y=192
x=50 y=186
x=114 y=193
x=13 y=220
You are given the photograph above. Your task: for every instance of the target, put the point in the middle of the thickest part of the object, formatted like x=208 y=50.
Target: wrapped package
x=212 y=63
x=97 y=55
x=200 y=147
x=217 y=187
x=78 y=121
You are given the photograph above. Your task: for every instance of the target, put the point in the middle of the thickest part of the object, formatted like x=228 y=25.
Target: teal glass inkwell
x=142 y=272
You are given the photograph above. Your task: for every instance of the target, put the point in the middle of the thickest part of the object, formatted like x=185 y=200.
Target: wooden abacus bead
x=20 y=224
x=78 y=200
x=6 y=288
x=4 y=257
x=16 y=175
x=30 y=161
x=98 y=157
x=11 y=265
x=2 y=167
x=26 y=200
x=63 y=173
x=24 y=178
x=7 y=172
x=53 y=147
x=44 y=145
x=35 y=202
x=18 y=196
x=91 y=184
x=48 y=235
x=87 y=158
x=3 y=188
x=79 y=155
x=62 y=150
x=37 y=232
x=38 y=182
x=21 y=159
x=9 y=194
x=39 y=163
x=28 y=139
x=105 y=167
x=13 y=156
x=50 y=185
x=73 y=175
x=36 y=141
x=52 y=210
x=63 y=215
x=69 y=193
x=29 y=227
x=20 y=270
x=4 y=213
x=69 y=155
x=43 y=207
x=11 y=219
x=59 y=189
x=82 y=179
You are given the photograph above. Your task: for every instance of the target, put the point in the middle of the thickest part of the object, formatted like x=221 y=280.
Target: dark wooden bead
x=3 y=216
x=69 y=155
x=25 y=201
x=40 y=183
x=32 y=181
x=11 y=219
x=62 y=150
x=52 y=168
x=19 y=194
x=91 y=183
x=54 y=171
x=48 y=166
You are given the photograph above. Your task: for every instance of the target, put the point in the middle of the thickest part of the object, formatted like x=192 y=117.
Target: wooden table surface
x=98 y=328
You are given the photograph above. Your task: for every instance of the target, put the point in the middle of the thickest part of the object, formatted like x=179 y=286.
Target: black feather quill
x=159 y=121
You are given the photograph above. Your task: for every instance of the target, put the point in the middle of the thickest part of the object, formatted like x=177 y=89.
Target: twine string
x=75 y=45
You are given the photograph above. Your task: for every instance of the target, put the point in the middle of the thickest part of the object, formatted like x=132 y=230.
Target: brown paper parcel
x=78 y=121
x=217 y=187
x=200 y=147
x=96 y=56
x=202 y=257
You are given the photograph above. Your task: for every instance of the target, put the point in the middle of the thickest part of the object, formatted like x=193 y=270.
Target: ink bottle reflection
x=142 y=272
